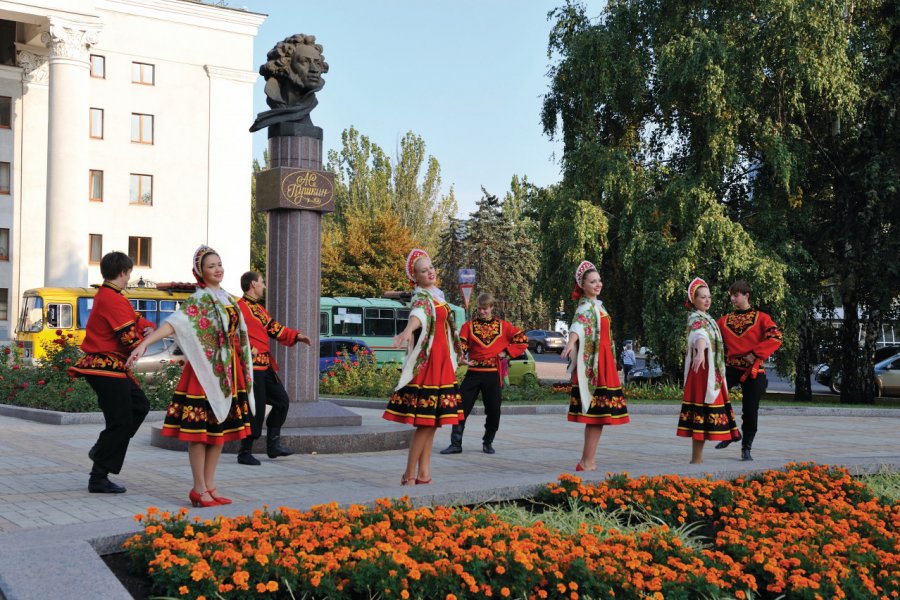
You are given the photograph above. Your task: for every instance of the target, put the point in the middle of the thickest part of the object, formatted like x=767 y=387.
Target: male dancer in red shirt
x=267 y=387
x=750 y=337
x=113 y=330
x=487 y=341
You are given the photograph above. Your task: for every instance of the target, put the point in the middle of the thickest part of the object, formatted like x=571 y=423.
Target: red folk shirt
x=113 y=330
x=483 y=341
x=745 y=331
x=260 y=327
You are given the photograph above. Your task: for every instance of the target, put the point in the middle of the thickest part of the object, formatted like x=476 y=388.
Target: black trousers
x=753 y=390
x=268 y=389
x=124 y=407
x=488 y=384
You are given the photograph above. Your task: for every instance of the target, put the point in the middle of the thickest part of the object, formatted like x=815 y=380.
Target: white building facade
x=123 y=126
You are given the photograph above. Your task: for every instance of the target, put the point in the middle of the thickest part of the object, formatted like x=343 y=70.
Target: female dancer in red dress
x=426 y=395
x=596 y=397
x=705 y=410
x=211 y=402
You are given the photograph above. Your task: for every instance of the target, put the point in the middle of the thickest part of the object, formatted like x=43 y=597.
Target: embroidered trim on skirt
x=428 y=405
x=190 y=417
x=700 y=421
x=607 y=407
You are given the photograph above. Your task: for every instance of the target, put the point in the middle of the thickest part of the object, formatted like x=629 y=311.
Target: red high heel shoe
x=219 y=499
x=422 y=481
x=197 y=499
x=578 y=467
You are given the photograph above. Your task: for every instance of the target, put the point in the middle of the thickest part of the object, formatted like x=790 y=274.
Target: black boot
x=99 y=482
x=745 y=447
x=487 y=442
x=456 y=434
x=273 y=443
x=244 y=454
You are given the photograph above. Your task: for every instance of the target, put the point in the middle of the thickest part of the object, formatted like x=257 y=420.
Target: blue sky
x=468 y=76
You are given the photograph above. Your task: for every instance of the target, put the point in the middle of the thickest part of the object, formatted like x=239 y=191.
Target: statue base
x=295 y=129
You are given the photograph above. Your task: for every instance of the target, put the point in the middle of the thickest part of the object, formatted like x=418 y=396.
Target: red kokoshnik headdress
x=414 y=255
x=584 y=267
x=199 y=254
x=693 y=286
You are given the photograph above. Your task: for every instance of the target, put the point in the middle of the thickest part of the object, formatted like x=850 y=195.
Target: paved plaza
x=52 y=529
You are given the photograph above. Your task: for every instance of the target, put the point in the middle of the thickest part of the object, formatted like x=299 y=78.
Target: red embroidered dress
x=190 y=416
x=431 y=398
x=706 y=412
x=113 y=330
x=594 y=366
x=260 y=328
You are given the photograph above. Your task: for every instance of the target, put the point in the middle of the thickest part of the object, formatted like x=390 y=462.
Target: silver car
x=541 y=340
x=158 y=355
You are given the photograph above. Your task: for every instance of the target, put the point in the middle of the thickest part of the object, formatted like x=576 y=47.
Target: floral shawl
x=423 y=308
x=201 y=326
x=587 y=326
x=701 y=325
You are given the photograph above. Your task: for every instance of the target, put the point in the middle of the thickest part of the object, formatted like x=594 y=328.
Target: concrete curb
x=55 y=417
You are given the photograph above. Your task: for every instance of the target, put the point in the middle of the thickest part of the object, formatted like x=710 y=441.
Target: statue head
x=297 y=60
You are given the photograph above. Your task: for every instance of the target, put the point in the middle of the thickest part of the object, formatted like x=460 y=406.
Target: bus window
x=32 y=315
x=84 y=306
x=323 y=323
x=147 y=308
x=347 y=320
x=59 y=316
x=166 y=309
x=379 y=321
x=402 y=319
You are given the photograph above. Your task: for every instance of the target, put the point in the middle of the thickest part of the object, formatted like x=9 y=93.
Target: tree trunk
x=872 y=327
x=803 y=366
x=851 y=388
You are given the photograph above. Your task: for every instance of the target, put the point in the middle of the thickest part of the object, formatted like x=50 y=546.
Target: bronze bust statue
x=293 y=72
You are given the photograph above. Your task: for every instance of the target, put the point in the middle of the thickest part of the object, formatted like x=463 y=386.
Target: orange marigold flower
x=260 y=588
x=272 y=586
x=183 y=590
x=504 y=591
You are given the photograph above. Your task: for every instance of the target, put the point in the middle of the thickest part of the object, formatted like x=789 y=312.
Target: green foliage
x=259 y=224
x=727 y=140
x=359 y=376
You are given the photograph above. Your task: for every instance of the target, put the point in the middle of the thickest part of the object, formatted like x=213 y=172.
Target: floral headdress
x=693 y=286
x=414 y=255
x=584 y=267
x=199 y=254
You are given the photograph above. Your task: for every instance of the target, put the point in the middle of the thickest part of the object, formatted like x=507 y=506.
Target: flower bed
x=807 y=532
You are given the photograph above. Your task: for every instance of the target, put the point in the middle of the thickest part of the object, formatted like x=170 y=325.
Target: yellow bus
x=46 y=310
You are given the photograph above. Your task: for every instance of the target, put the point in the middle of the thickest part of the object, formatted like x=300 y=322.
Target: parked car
x=521 y=369
x=541 y=340
x=349 y=348
x=157 y=356
x=887 y=377
x=824 y=374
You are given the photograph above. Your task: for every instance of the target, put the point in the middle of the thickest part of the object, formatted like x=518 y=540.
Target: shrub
x=360 y=375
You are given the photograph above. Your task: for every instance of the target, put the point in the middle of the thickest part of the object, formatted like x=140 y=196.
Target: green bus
x=376 y=321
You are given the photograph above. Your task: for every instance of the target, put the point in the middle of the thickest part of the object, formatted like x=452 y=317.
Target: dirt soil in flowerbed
x=138 y=586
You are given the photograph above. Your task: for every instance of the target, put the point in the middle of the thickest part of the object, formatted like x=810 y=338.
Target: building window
x=141 y=189
x=98 y=66
x=97 y=123
x=4 y=244
x=142 y=73
x=5 y=112
x=141 y=128
x=4 y=178
x=96 y=248
x=139 y=251
x=96 y=191
x=4 y=304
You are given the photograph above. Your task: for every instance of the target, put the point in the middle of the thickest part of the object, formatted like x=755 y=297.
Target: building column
x=66 y=256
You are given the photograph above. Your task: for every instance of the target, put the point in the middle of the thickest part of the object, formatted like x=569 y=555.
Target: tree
x=452 y=257
x=259 y=224
x=721 y=142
